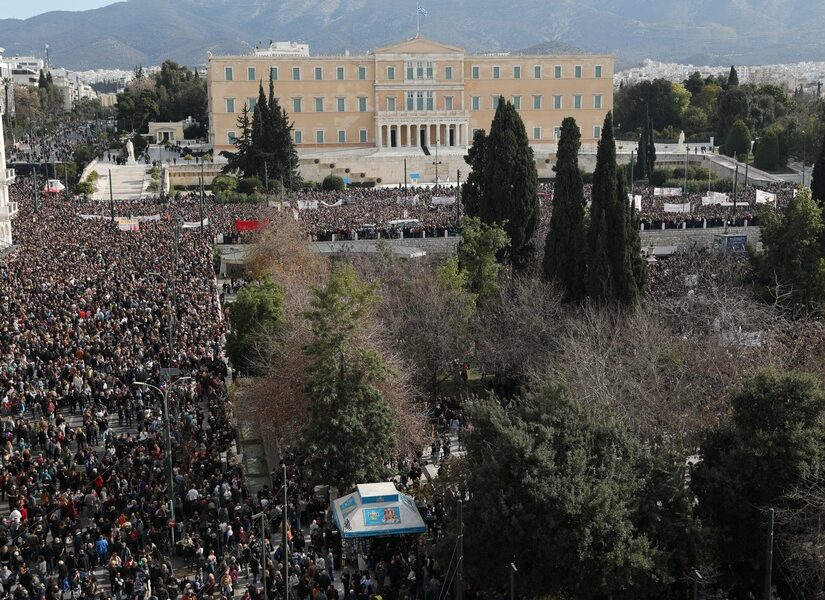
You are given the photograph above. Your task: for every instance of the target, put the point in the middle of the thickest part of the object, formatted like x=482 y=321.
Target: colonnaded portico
x=395 y=132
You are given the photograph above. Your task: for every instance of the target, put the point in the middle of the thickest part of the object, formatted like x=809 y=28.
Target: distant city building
x=412 y=94
x=790 y=76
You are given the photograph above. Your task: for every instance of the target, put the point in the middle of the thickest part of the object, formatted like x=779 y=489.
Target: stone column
x=378 y=129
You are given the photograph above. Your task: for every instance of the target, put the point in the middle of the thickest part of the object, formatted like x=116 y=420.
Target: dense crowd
x=85 y=316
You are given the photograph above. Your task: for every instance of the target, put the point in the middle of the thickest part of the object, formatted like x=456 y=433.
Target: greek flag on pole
x=422 y=11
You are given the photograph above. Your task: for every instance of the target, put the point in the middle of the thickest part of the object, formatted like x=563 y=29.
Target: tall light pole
x=168 y=433
x=437 y=162
x=803 y=157
x=262 y=515
x=747 y=161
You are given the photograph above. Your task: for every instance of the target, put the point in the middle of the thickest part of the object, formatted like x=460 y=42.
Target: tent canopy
x=376 y=509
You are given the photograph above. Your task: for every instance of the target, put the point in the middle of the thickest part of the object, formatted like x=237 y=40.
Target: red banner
x=250 y=225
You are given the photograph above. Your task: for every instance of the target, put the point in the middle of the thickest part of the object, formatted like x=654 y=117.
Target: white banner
x=715 y=198
x=307 y=205
x=149 y=218
x=443 y=200
x=408 y=201
x=636 y=200
x=667 y=192
x=340 y=202
x=195 y=224
x=87 y=217
x=677 y=208
x=125 y=224
x=763 y=197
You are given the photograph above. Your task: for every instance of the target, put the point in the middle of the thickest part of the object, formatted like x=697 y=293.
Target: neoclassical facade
x=415 y=94
x=7 y=209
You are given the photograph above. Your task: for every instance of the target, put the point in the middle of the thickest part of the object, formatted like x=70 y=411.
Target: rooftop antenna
x=48 y=63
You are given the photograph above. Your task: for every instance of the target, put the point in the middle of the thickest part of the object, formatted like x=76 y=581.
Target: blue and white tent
x=376 y=509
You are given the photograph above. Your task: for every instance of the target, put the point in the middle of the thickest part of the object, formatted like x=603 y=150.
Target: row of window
x=415 y=70
x=558 y=72
x=320 y=136
x=424 y=100
x=252 y=73
x=538 y=102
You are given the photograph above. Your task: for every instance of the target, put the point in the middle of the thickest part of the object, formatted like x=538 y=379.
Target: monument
x=130 y=152
x=680 y=147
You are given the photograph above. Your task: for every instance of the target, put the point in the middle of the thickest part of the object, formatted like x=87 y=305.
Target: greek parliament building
x=410 y=96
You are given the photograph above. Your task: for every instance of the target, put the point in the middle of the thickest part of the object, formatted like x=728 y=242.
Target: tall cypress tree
x=733 y=77
x=510 y=183
x=471 y=191
x=818 y=177
x=564 y=247
x=613 y=275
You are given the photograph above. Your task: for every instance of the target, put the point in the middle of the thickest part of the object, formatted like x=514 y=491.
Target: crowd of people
x=84 y=319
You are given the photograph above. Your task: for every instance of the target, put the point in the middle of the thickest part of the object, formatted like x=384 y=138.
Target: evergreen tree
x=613 y=274
x=477 y=256
x=556 y=464
x=733 y=77
x=352 y=428
x=739 y=139
x=772 y=442
x=818 y=177
x=267 y=144
x=242 y=158
x=793 y=255
x=564 y=247
x=41 y=82
x=766 y=155
x=49 y=79
x=471 y=191
x=258 y=311
x=510 y=183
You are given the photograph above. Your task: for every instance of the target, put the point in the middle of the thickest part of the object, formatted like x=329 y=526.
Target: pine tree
x=733 y=77
x=242 y=158
x=818 y=177
x=471 y=191
x=41 y=82
x=613 y=273
x=564 y=247
x=49 y=79
x=510 y=183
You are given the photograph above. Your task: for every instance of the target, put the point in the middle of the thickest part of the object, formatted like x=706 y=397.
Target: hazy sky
x=16 y=9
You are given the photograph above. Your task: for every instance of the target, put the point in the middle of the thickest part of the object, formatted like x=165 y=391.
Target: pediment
x=419 y=45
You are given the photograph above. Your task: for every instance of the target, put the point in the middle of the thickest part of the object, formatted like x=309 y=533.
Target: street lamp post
x=437 y=162
x=167 y=432
x=803 y=157
x=747 y=161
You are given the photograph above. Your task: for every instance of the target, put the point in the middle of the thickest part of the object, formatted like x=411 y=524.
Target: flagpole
x=417 y=20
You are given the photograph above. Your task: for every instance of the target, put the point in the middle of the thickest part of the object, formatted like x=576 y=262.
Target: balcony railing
x=9 y=175
x=423 y=113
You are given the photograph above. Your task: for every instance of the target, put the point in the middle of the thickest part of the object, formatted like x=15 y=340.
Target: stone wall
x=686 y=238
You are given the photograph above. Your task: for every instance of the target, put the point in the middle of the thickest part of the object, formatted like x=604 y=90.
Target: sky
x=15 y=9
